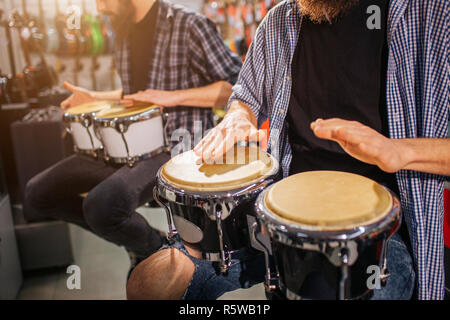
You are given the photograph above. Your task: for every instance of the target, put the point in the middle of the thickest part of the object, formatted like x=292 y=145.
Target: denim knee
x=105 y=207
x=33 y=204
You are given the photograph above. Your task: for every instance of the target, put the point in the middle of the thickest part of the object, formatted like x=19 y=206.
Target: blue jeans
x=249 y=269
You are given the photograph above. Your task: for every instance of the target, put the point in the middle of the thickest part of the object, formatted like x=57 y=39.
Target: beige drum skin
x=240 y=167
x=328 y=200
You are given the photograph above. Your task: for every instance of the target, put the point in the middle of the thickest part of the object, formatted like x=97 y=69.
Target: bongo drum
x=79 y=123
x=326 y=228
x=207 y=204
x=131 y=134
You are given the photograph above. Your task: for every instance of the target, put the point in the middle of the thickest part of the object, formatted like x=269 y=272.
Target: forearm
x=213 y=95
x=114 y=95
x=426 y=155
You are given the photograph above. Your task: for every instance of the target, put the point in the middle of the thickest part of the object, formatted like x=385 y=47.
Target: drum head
x=90 y=107
x=328 y=200
x=241 y=167
x=122 y=111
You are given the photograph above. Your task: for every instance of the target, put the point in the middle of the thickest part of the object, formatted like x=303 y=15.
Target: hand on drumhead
x=361 y=142
x=235 y=127
x=161 y=98
x=79 y=96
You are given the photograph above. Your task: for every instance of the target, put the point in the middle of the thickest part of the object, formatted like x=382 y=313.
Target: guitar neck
x=5 y=25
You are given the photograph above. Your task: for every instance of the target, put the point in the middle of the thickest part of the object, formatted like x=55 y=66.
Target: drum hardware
x=225 y=257
x=342 y=249
x=271 y=282
x=172 y=233
x=216 y=207
x=86 y=122
x=344 y=274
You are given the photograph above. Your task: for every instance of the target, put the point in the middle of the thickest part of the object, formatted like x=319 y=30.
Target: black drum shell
x=234 y=227
x=310 y=275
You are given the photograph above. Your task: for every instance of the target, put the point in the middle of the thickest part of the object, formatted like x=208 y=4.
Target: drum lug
x=272 y=279
x=225 y=263
x=271 y=283
x=131 y=162
x=384 y=276
x=172 y=232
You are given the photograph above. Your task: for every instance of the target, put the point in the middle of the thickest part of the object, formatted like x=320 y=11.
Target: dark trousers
x=109 y=210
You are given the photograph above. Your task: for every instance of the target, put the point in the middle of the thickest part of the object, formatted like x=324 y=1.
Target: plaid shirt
x=418 y=95
x=188 y=53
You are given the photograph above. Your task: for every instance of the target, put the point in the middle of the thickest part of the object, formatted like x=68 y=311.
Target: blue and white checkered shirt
x=418 y=94
x=188 y=53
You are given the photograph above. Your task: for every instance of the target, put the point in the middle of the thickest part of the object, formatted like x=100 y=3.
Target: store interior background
x=104 y=266
x=40 y=270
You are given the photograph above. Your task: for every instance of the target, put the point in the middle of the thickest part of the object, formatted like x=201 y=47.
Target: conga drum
x=131 y=134
x=327 y=229
x=79 y=123
x=207 y=204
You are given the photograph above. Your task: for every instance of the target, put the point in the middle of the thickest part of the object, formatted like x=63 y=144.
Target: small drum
x=208 y=204
x=79 y=122
x=327 y=228
x=131 y=134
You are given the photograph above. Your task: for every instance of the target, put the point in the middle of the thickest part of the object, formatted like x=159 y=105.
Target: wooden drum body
x=208 y=205
x=327 y=228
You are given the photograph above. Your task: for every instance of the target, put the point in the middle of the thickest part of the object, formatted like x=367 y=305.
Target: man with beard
x=166 y=56
x=385 y=85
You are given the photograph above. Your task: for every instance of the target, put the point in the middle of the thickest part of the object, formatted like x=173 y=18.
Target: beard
x=320 y=11
x=122 y=23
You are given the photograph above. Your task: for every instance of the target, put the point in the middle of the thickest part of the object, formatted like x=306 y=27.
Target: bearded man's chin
x=320 y=11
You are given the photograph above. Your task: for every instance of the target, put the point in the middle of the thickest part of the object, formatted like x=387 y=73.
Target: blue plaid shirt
x=418 y=95
x=188 y=53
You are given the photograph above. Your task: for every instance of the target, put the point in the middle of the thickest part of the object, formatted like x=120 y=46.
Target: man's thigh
x=132 y=185
x=71 y=176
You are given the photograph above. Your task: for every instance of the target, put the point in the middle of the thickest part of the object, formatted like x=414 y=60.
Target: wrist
x=241 y=111
x=179 y=98
x=406 y=153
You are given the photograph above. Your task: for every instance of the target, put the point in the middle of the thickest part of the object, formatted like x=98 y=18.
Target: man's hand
x=159 y=97
x=363 y=143
x=238 y=125
x=79 y=96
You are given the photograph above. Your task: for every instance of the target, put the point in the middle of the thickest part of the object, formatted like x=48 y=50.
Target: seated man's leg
x=401 y=282
x=55 y=192
x=164 y=276
x=174 y=274
x=110 y=208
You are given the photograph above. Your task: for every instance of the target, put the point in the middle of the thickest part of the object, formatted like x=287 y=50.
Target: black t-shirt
x=141 y=48
x=338 y=70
